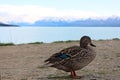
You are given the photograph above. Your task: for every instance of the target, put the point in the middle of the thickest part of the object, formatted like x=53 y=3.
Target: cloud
x=32 y=13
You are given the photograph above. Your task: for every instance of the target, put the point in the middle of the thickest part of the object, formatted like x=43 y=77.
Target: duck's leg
x=73 y=75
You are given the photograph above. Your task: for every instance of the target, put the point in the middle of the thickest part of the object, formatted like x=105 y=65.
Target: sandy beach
x=25 y=62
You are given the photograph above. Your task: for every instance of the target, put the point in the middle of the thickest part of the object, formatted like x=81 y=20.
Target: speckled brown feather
x=71 y=51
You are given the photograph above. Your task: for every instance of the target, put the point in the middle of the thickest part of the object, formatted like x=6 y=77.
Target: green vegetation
x=7 y=44
x=36 y=43
x=68 y=41
x=109 y=39
x=115 y=39
x=100 y=40
x=58 y=42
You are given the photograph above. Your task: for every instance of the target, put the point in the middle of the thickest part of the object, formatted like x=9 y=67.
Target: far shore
x=67 y=41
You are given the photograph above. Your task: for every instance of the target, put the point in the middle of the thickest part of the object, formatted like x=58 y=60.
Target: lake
x=20 y=35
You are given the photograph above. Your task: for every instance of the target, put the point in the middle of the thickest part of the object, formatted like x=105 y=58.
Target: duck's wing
x=63 y=55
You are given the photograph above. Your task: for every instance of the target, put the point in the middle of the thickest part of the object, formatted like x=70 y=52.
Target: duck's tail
x=47 y=64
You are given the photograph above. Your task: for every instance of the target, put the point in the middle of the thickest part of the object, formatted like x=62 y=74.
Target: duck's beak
x=92 y=44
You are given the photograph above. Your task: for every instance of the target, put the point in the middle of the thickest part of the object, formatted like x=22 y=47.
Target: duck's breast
x=83 y=59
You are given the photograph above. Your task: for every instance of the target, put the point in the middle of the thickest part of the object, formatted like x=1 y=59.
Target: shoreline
x=62 y=41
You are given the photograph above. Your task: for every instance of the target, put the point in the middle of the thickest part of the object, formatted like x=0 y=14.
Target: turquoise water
x=20 y=35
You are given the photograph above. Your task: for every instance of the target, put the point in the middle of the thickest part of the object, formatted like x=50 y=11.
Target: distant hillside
x=3 y=24
x=111 y=21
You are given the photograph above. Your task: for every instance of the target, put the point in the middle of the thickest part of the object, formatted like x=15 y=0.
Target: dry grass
x=25 y=62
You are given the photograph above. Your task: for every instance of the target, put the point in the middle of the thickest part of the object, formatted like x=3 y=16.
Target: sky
x=33 y=10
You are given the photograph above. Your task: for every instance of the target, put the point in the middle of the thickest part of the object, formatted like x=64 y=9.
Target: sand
x=25 y=62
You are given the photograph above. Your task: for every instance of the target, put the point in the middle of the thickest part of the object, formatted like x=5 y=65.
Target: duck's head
x=85 y=41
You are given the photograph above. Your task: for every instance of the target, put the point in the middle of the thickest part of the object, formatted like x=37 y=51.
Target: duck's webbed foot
x=73 y=75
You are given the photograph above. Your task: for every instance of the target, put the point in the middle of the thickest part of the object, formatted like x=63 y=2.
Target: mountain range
x=110 y=22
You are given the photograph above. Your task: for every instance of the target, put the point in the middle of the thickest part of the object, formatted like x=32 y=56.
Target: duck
x=73 y=58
